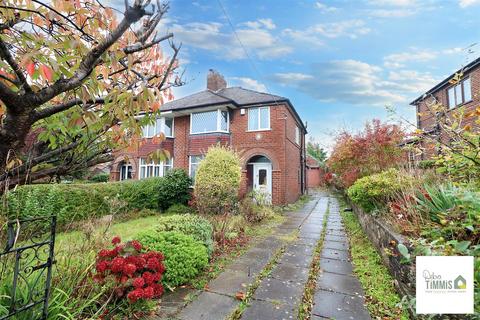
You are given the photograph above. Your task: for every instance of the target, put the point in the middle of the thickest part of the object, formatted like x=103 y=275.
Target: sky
x=339 y=62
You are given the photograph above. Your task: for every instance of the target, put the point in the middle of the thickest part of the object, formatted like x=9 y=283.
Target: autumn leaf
x=468 y=128
x=30 y=68
x=240 y=296
x=46 y=72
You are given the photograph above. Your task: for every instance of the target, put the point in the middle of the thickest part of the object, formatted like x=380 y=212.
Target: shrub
x=101 y=177
x=376 y=190
x=73 y=202
x=217 y=181
x=185 y=257
x=175 y=189
x=132 y=274
x=179 y=209
x=197 y=227
x=370 y=151
x=254 y=208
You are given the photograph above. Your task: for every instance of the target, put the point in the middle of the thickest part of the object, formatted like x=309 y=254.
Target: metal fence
x=26 y=268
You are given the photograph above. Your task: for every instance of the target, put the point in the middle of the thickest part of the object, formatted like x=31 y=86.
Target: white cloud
x=397 y=60
x=468 y=3
x=391 y=13
x=260 y=23
x=357 y=82
x=394 y=3
x=324 y=8
x=317 y=33
x=249 y=83
x=213 y=36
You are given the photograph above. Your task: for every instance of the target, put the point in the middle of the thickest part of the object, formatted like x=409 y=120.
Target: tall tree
x=316 y=151
x=73 y=80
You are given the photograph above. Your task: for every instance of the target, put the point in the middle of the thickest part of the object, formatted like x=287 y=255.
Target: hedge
x=74 y=202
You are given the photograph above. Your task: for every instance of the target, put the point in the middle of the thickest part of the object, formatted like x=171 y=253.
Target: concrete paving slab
x=296 y=259
x=290 y=272
x=339 y=306
x=339 y=283
x=278 y=291
x=336 y=266
x=230 y=282
x=263 y=310
x=335 y=254
x=329 y=237
x=336 y=245
x=209 y=306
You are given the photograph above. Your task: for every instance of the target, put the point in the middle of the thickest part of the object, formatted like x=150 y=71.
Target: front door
x=262 y=179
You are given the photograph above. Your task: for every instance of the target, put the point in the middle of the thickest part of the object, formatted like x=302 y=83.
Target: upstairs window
x=297 y=135
x=259 y=119
x=160 y=125
x=210 y=121
x=152 y=169
x=459 y=93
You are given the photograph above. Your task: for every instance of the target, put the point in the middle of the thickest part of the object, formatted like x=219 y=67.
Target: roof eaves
x=441 y=84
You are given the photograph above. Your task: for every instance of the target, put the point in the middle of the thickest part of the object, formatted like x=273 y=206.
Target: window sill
x=208 y=132
x=171 y=137
x=259 y=130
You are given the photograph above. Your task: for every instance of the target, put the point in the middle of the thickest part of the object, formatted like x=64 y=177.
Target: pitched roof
x=445 y=81
x=236 y=96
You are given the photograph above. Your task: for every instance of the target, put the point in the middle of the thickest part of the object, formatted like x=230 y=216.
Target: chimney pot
x=215 y=81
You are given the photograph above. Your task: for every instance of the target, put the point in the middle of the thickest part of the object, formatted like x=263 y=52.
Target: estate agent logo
x=444 y=285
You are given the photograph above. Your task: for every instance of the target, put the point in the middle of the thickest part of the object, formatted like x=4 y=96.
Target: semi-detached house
x=264 y=128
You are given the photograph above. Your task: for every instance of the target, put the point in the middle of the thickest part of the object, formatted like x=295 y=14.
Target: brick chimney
x=215 y=81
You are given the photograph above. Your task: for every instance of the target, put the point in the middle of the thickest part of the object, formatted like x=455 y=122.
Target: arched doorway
x=259 y=176
x=126 y=171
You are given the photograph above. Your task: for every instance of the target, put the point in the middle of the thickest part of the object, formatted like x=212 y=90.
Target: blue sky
x=339 y=62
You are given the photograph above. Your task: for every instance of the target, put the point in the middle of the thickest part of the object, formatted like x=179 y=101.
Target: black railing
x=26 y=268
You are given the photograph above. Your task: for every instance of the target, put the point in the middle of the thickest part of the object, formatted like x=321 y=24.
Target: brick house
x=453 y=95
x=265 y=129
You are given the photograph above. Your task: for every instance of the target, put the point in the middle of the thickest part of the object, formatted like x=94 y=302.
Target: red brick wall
x=314 y=177
x=426 y=121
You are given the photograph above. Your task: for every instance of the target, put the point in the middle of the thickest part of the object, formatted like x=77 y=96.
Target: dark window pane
x=262 y=177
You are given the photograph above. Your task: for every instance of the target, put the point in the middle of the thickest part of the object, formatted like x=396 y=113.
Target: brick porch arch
x=115 y=167
x=277 y=195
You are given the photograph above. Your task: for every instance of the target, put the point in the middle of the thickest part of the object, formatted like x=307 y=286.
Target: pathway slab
x=209 y=306
x=336 y=245
x=278 y=291
x=263 y=310
x=336 y=266
x=335 y=254
x=339 y=306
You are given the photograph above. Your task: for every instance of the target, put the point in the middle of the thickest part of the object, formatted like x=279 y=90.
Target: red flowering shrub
x=133 y=274
x=373 y=150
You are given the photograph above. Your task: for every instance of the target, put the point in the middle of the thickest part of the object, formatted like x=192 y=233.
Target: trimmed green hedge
x=74 y=202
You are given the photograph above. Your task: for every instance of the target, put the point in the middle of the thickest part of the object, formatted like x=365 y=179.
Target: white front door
x=262 y=179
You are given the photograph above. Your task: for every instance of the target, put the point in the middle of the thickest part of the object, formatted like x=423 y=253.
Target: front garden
x=434 y=205
x=121 y=246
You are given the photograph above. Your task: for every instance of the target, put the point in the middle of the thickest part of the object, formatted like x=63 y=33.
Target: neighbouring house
x=264 y=128
x=454 y=95
x=315 y=173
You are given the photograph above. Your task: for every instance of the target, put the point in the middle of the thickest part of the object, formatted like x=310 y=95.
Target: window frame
x=161 y=167
x=162 y=128
x=462 y=90
x=124 y=169
x=298 y=136
x=219 y=122
x=190 y=163
x=259 y=119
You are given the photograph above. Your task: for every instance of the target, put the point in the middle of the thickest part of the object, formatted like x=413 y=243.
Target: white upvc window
x=259 y=119
x=297 y=136
x=209 y=121
x=161 y=125
x=459 y=93
x=152 y=169
x=126 y=171
x=194 y=161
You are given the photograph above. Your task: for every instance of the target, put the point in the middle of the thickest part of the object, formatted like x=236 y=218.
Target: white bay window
x=209 y=121
x=152 y=169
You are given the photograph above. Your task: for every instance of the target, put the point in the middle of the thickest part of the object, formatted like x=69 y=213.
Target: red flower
x=104 y=253
x=118 y=265
x=102 y=266
x=116 y=240
x=129 y=269
x=148 y=292
x=135 y=295
x=138 y=282
x=137 y=245
x=153 y=264
x=148 y=277
x=158 y=290
x=157 y=276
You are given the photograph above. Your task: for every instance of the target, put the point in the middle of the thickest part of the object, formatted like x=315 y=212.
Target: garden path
x=274 y=272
